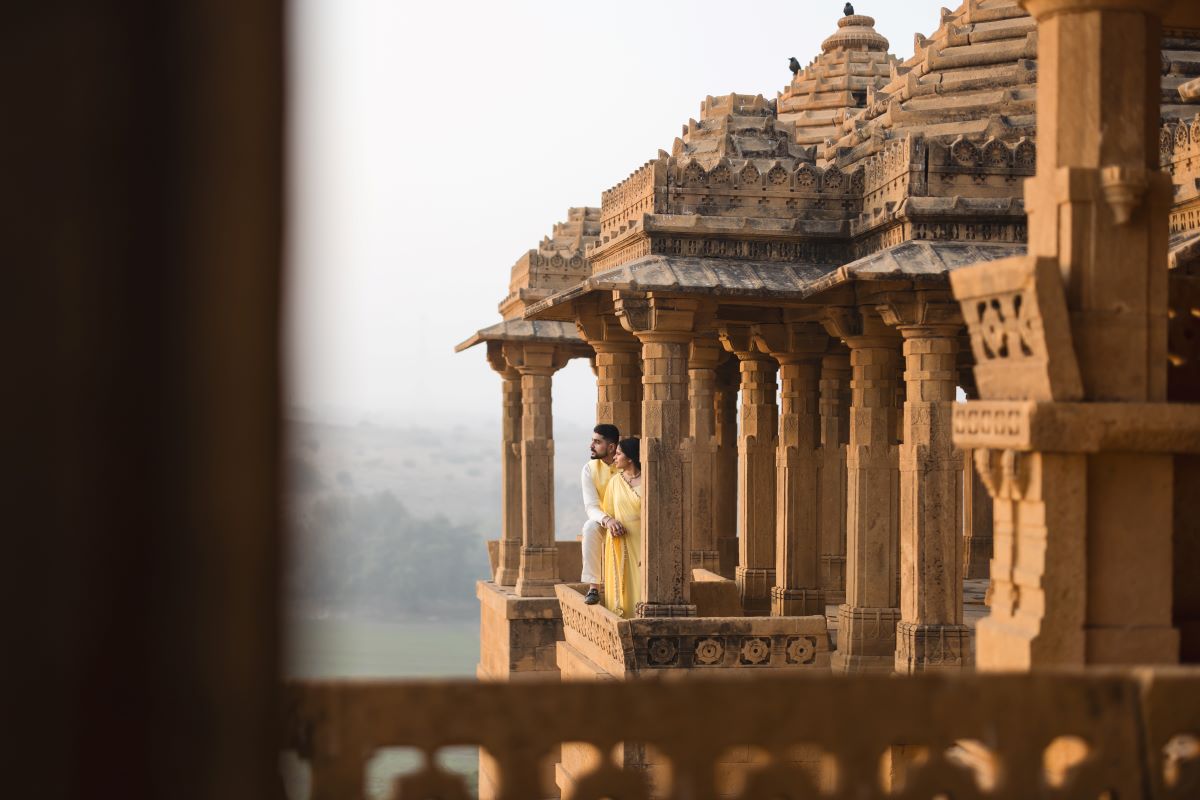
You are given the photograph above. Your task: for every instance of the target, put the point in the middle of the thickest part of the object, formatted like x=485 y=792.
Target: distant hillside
x=390 y=523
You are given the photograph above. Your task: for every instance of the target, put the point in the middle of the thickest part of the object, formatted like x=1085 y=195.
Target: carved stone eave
x=539 y=331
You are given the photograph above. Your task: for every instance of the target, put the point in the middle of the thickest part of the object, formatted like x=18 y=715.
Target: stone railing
x=1125 y=735
x=606 y=644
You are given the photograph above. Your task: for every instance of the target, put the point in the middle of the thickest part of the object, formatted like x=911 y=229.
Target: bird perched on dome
x=794 y=65
x=848 y=10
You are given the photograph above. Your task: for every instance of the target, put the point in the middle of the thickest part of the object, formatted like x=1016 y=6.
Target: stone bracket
x=1016 y=313
x=1027 y=425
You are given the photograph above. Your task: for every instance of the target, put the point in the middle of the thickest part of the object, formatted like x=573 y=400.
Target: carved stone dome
x=856 y=32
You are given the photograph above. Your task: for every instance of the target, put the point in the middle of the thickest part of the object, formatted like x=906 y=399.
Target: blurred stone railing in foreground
x=1121 y=735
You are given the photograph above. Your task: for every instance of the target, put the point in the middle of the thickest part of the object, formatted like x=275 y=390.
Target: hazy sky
x=433 y=143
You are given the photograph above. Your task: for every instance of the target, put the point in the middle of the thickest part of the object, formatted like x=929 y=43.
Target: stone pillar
x=618 y=366
x=725 y=497
x=835 y=433
x=977 y=522
x=665 y=326
x=1098 y=214
x=867 y=620
x=798 y=347
x=704 y=356
x=509 y=558
x=931 y=633
x=536 y=363
x=977 y=503
x=755 y=573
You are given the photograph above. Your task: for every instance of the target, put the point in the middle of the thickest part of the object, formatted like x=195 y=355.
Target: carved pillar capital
x=497 y=361
x=656 y=317
x=859 y=326
x=921 y=314
x=597 y=323
x=536 y=358
x=792 y=342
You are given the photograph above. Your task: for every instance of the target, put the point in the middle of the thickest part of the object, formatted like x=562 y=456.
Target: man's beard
x=595 y=456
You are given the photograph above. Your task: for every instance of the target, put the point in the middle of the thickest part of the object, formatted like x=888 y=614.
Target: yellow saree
x=623 y=554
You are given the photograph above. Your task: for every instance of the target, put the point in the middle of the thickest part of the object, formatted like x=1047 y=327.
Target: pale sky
x=433 y=143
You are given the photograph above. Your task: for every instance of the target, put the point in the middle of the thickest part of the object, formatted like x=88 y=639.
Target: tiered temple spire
x=854 y=62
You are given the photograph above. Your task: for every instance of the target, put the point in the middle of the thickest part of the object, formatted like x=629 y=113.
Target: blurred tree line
x=366 y=555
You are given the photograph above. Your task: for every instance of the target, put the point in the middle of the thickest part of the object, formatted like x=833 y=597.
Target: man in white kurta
x=594 y=479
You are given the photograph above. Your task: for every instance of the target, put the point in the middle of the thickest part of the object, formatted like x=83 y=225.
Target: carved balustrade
x=1126 y=734
x=621 y=648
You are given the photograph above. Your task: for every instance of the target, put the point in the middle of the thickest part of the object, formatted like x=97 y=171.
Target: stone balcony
x=599 y=644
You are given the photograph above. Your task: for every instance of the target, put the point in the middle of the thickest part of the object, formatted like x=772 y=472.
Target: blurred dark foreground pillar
x=142 y=202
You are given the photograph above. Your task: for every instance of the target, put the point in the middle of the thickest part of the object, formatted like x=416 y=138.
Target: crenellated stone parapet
x=558 y=262
x=621 y=207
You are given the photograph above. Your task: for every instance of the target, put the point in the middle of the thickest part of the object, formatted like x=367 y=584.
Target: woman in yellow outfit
x=623 y=541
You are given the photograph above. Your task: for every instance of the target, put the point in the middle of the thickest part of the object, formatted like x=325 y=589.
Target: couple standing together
x=612 y=535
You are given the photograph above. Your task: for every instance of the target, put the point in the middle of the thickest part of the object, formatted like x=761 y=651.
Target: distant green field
x=335 y=648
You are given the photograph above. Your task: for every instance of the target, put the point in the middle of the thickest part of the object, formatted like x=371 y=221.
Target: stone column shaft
x=510 y=469
x=835 y=433
x=755 y=572
x=977 y=522
x=618 y=385
x=797 y=345
x=867 y=620
x=665 y=327
x=797 y=590
x=725 y=497
x=931 y=633
x=512 y=523
x=703 y=531
x=536 y=364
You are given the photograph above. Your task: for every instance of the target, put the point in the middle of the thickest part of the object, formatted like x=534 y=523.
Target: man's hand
x=614 y=527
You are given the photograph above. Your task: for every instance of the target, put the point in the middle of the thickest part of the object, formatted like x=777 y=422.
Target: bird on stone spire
x=794 y=65
x=848 y=10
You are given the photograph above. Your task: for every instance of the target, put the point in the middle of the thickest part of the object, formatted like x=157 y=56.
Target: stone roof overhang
x=524 y=330
x=728 y=280
x=914 y=261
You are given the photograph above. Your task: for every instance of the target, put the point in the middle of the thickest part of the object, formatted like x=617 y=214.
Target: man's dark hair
x=608 y=432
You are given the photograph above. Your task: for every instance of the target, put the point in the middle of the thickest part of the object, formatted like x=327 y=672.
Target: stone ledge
x=674 y=645
x=504 y=600
x=1028 y=425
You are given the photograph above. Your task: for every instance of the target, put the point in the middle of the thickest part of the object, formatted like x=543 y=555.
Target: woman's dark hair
x=608 y=433
x=632 y=449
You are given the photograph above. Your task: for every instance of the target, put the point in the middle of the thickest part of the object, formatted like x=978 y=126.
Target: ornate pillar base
x=666 y=610
x=866 y=640
x=754 y=587
x=921 y=648
x=833 y=578
x=797 y=602
x=539 y=572
x=509 y=561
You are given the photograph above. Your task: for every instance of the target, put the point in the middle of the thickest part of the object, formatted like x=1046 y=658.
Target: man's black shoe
x=592 y=597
